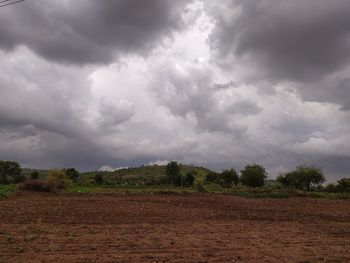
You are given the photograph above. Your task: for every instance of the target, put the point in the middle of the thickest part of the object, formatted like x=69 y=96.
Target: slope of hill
x=145 y=175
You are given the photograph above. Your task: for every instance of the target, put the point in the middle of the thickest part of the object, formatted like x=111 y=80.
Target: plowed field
x=172 y=228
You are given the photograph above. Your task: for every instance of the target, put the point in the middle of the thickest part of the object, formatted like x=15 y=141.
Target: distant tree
x=343 y=185
x=190 y=177
x=72 y=174
x=303 y=177
x=331 y=188
x=57 y=180
x=229 y=177
x=9 y=169
x=253 y=175
x=34 y=175
x=213 y=177
x=173 y=172
x=99 y=178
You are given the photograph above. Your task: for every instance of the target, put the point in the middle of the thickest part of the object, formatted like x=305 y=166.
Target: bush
x=19 y=178
x=331 y=188
x=190 y=177
x=99 y=178
x=213 y=177
x=34 y=175
x=228 y=178
x=57 y=180
x=343 y=185
x=9 y=169
x=36 y=185
x=173 y=172
x=72 y=174
x=303 y=178
x=253 y=175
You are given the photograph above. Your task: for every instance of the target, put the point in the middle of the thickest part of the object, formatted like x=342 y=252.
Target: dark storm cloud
x=89 y=31
x=293 y=40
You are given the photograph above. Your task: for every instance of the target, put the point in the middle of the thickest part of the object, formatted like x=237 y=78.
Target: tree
x=173 y=172
x=229 y=177
x=99 y=178
x=190 y=177
x=57 y=180
x=343 y=185
x=253 y=175
x=72 y=174
x=213 y=177
x=10 y=169
x=34 y=175
x=303 y=177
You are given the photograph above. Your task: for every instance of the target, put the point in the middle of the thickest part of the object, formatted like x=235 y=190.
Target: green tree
x=343 y=185
x=213 y=177
x=190 y=177
x=253 y=175
x=10 y=169
x=57 y=180
x=303 y=177
x=99 y=178
x=72 y=174
x=34 y=175
x=229 y=177
x=173 y=172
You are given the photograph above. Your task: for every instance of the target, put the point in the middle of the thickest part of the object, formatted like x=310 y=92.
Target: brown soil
x=172 y=228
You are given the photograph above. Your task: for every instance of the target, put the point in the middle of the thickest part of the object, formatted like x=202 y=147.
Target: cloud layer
x=122 y=83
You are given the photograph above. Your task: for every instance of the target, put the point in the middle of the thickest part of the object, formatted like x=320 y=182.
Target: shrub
x=303 y=177
x=36 y=185
x=228 y=178
x=343 y=185
x=19 y=178
x=173 y=172
x=253 y=175
x=11 y=169
x=34 y=175
x=190 y=177
x=99 y=178
x=331 y=188
x=57 y=180
x=72 y=174
x=213 y=177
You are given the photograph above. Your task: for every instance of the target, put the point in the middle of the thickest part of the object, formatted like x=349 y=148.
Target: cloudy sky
x=115 y=83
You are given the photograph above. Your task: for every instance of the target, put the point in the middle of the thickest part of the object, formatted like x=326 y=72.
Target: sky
x=104 y=84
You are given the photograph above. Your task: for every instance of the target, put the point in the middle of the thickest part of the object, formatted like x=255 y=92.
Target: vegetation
x=72 y=174
x=10 y=171
x=253 y=175
x=303 y=177
x=176 y=178
x=173 y=173
x=227 y=178
x=6 y=190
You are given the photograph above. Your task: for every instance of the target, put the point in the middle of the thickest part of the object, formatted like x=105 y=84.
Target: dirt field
x=172 y=228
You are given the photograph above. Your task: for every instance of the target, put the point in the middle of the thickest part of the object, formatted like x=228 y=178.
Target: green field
x=6 y=190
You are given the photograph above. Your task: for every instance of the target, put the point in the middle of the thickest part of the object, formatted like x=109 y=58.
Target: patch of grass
x=19 y=249
x=6 y=190
x=78 y=189
x=276 y=195
x=329 y=195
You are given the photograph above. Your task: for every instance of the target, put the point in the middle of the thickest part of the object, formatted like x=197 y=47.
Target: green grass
x=128 y=190
x=211 y=188
x=329 y=195
x=6 y=190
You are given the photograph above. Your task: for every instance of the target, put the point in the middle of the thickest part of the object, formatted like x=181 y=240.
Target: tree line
x=304 y=178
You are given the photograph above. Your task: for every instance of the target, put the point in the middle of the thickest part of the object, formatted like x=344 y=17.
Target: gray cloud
x=221 y=93
x=294 y=40
x=83 y=32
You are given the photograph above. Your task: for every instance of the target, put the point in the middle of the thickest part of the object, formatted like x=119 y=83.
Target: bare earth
x=172 y=228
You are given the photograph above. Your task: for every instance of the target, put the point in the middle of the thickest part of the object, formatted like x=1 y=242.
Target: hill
x=144 y=175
